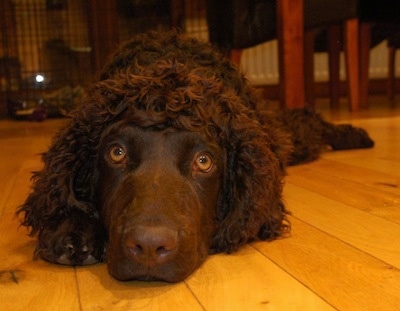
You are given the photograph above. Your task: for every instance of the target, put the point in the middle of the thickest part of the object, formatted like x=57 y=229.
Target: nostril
x=161 y=249
x=151 y=244
x=135 y=249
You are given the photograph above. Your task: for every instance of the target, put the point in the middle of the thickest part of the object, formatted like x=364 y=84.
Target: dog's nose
x=152 y=245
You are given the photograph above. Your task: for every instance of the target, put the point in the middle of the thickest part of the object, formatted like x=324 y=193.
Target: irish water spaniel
x=166 y=161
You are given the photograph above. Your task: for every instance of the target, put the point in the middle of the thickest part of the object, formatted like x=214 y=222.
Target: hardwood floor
x=343 y=253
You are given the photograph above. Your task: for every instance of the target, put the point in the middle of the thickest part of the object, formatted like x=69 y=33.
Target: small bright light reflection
x=39 y=78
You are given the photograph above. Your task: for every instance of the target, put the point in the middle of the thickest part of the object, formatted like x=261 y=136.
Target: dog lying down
x=166 y=161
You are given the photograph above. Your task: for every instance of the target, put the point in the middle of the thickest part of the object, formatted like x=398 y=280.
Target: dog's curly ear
x=66 y=180
x=251 y=205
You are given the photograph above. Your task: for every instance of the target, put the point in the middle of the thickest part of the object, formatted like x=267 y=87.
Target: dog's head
x=170 y=153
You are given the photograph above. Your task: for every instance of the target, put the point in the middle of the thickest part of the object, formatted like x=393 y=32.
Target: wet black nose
x=152 y=245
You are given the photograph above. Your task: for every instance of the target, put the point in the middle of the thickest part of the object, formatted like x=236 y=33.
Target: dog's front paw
x=72 y=241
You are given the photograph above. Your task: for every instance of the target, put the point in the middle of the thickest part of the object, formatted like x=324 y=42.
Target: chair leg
x=365 y=46
x=290 y=28
x=334 y=48
x=352 y=55
x=309 y=68
x=391 y=73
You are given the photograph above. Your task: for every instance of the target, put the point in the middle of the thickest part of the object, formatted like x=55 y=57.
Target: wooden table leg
x=334 y=48
x=392 y=74
x=365 y=47
x=309 y=81
x=352 y=52
x=291 y=52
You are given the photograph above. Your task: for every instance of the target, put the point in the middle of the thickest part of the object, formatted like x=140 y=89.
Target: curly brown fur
x=310 y=134
x=163 y=99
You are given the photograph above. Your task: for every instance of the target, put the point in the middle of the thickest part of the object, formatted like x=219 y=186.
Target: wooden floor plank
x=14 y=154
x=368 y=198
x=358 y=175
x=27 y=284
x=379 y=164
x=364 y=231
x=345 y=277
x=223 y=283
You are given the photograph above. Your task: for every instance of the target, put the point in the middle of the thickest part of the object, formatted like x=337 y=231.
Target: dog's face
x=166 y=160
x=158 y=192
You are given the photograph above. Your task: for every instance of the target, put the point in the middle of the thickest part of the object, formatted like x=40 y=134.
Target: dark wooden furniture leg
x=365 y=46
x=334 y=48
x=291 y=50
x=309 y=68
x=391 y=73
x=352 y=54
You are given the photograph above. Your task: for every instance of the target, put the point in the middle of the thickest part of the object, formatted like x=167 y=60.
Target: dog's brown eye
x=204 y=162
x=117 y=154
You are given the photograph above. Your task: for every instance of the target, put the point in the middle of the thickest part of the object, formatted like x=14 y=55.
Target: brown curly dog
x=166 y=161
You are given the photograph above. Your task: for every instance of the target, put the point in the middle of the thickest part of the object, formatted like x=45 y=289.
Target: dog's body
x=167 y=161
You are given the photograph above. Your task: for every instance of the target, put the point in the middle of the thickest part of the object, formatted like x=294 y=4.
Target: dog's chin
x=167 y=273
x=152 y=278
x=123 y=267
